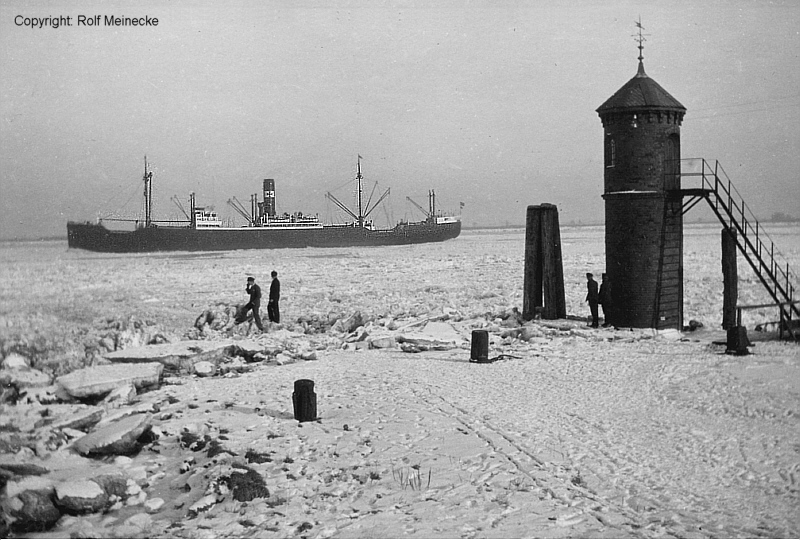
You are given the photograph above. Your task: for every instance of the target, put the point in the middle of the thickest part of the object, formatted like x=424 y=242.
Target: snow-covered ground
x=576 y=432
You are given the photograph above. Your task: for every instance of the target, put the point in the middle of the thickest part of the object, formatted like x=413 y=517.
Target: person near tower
x=255 y=302
x=273 y=310
x=604 y=298
x=593 y=298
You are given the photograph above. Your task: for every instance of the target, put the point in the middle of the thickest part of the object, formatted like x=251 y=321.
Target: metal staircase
x=754 y=243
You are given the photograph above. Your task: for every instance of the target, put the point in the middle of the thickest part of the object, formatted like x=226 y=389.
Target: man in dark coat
x=255 y=302
x=273 y=310
x=593 y=298
x=604 y=297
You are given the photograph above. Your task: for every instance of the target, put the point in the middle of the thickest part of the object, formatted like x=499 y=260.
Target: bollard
x=738 y=341
x=304 y=400
x=480 y=346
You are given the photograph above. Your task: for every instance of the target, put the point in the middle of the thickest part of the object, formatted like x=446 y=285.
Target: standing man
x=274 y=296
x=592 y=297
x=255 y=302
x=605 y=300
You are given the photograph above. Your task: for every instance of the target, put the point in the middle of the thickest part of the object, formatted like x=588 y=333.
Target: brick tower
x=643 y=209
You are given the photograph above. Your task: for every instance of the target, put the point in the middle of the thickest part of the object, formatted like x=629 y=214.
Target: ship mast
x=363 y=213
x=192 y=207
x=147 y=209
x=358 y=178
x=148 y=195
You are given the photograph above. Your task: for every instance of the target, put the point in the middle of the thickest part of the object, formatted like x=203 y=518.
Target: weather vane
x=640 y=37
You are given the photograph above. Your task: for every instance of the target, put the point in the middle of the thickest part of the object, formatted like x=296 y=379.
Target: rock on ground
x=118 y=438
x=100 y=380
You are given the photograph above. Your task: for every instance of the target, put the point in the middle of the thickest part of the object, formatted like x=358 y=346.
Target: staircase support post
x=730 y=278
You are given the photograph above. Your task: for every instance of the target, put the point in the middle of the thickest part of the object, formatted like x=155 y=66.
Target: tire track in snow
x=555 y=479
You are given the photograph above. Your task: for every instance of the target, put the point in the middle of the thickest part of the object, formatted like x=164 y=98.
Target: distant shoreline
x=463 y=228
x=572 y=224
x=34 y=239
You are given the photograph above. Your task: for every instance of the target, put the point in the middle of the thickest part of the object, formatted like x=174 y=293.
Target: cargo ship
x=204 y=230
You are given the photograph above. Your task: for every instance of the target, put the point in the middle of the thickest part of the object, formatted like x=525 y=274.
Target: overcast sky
x=488 y=102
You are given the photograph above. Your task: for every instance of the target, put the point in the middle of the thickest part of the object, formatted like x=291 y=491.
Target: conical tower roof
x=641 y=93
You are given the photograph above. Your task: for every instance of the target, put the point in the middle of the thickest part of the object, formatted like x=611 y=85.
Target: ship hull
x=96 y=237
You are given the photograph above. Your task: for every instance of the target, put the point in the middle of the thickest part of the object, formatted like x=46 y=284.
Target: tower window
x=611 y=153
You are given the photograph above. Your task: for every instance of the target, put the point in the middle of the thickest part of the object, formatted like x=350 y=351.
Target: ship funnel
x=269 y=197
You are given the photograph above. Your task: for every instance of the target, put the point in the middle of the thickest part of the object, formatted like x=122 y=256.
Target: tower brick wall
x=644 y=245
x=639 y=155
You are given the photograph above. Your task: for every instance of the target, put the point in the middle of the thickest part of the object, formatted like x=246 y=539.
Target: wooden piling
x=730 y=280
x=532 y=282
x=555 y=304
x=543 y=283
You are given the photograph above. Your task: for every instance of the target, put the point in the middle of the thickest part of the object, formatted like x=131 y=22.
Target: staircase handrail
x=711 y=179
x=775 y=254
